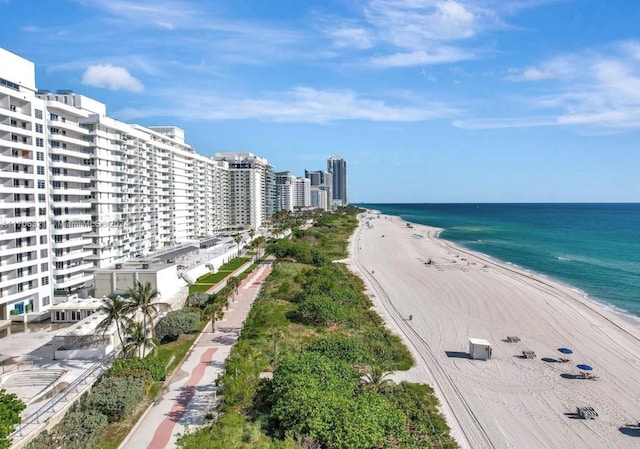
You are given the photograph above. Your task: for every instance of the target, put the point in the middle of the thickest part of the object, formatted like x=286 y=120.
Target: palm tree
x=138 y=337
x=238 y=239
x=115 y=308
x=142 y=299
x=376 y=378
x=234 y=282
x=259 y=241
x=214 y=313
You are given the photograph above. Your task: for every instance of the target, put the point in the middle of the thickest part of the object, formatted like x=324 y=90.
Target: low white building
x=479 y=349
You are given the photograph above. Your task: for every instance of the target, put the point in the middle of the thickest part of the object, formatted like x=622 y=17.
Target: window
x=19 y=272
x=18 y=257
x=57 y=238
x=42 y=211
x=40 y=184
x=42 y=198
x=56 y=184
x=44 y=267
x=42 y=225
x=20 y=287
x=40 y=156
x=46 y=301
x=44 y=253
x=39 y=128
x=40 y=170
x=38 y=113
x=59 y=265
x=39 y=142
x=53 y=116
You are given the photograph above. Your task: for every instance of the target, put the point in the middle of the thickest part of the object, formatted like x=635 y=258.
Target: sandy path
x=507 y=402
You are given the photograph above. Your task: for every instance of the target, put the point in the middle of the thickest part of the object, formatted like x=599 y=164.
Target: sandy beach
x=507 y=401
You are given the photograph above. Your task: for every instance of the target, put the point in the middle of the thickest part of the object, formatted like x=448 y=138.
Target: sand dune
x=508 y=401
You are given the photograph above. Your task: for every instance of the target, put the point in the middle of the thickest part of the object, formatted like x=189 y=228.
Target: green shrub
x=321 y=310
x=175 y=324
x=115 y=396
x=198 y=299
x=77 y=429
x=343 y=348
x=153 y=365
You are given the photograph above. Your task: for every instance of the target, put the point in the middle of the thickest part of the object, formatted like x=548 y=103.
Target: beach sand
x=508 y=401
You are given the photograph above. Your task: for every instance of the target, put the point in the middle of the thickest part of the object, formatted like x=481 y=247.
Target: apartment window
x=20 y=287
x=57 y=238
x=18 y=257
x=44 y=267
x=40 y=156
x=55 y=144
x=42 y=211
x=39 y=128
x=30 y=284
x=56 y=184
x=18 y=243
x=53 y=116
x=41 y=183
x=59 y=265
x=38 y=113
x=46 y=301
x=19 y=272
x=55 y=171
x=40 y=170
x=58 y=252
x=42 y=198
x=55 y=157
x=42 y=225
x=39 y=142
x=44 y=253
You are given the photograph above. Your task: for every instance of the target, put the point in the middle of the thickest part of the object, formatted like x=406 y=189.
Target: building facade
x=337 y=166
x=80 y=191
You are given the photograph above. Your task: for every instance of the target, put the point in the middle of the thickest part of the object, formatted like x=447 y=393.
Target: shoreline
x=506 y=401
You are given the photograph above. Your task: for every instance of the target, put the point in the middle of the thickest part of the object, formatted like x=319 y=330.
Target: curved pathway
x=191 y=393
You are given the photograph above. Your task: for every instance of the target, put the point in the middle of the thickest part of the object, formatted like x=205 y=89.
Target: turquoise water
x=592 y=247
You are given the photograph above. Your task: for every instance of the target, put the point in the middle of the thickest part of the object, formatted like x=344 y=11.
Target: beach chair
x=587 y=412
x=528 y=354
x=513 y=339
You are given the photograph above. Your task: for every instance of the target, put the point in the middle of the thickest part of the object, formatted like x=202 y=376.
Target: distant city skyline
x=431 y=101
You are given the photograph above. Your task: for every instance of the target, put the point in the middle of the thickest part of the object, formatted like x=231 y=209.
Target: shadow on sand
x=457 y=354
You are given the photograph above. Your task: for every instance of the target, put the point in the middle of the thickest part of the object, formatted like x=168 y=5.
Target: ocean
x=593 y=248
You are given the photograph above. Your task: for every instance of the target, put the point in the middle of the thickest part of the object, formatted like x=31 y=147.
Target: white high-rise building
x=25 y=231
x=285 y=184
x=302 y=193
x=249 y=185
x=80 y=191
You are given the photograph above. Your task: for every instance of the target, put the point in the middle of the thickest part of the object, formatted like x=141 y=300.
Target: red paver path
x=164 y=431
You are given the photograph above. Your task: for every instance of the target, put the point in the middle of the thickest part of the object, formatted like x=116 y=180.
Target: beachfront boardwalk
x=191 y=393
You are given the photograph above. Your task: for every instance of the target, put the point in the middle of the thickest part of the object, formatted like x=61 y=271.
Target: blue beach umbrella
x=585 y=367
x=565 y=351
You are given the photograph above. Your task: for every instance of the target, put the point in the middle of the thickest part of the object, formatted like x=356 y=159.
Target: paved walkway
x=190 y=393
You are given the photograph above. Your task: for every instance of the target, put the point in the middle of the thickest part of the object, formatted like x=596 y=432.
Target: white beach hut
x=479 y=349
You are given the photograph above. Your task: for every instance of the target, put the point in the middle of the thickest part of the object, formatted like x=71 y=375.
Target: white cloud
x=595 y=87
x=351 y=37
x=298 y=105
x=498 y=123
x=440 y=55
x=111 y=77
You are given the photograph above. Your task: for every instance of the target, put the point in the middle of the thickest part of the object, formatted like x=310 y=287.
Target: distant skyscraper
x=338 y=169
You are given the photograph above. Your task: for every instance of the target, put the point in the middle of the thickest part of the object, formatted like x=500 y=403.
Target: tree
x=214 y=313
x=259 y=241
x=234 y=282
x=10 y=408
x=138 y=338
x=115 y=309
x=238 y=239
x=142 y=299
x=376 y=379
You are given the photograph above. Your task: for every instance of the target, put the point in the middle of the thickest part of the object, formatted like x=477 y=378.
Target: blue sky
x=428 y=100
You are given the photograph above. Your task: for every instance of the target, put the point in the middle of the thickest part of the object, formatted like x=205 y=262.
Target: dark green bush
x=343 y=348
x=115 y=396
x=153 y=365
x=321 y=310
x=175 y=324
